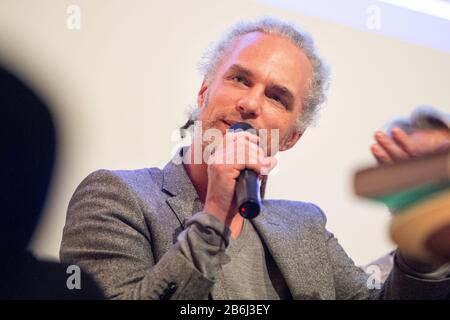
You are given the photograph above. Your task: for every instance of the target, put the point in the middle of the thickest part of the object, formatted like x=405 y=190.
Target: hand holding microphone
x=233 y=186
x=248 y=198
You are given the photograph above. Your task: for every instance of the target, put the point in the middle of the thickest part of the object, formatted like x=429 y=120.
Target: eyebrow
x=282 y=90
x=237 y=68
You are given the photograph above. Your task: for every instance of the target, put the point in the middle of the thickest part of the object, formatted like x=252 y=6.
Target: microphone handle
x=247 y=194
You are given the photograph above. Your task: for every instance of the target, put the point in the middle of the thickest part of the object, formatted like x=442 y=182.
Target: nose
x=249 y=105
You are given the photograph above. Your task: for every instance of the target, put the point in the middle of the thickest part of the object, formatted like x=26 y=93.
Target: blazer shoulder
x=133 y=186
x=134 y=179
x=297 y=210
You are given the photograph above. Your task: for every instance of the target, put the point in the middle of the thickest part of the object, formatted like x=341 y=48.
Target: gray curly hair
x=319 y=82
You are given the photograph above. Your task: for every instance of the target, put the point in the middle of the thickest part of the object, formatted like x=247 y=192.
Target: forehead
x=271 y=57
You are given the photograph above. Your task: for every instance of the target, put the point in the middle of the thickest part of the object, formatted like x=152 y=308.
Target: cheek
x=226 y=95
x=284 y=121
x=277 y=137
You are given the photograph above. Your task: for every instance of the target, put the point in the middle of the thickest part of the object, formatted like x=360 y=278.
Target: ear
x=291 y=141
x=201 y=96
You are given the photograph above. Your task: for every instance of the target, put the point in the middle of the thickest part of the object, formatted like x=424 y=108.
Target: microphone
x=247 y=191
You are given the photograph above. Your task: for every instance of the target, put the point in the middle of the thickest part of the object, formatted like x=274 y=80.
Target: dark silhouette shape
x=28 y=149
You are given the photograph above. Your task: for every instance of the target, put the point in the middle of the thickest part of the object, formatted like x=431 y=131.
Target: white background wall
x=121 y=84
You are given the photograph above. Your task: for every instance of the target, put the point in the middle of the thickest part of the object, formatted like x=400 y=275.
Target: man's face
x=261 y=80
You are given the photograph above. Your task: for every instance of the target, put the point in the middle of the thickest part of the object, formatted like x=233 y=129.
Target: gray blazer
x=122 y=228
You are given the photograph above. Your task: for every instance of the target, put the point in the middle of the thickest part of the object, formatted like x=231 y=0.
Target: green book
x=406 y=198
x=405 y=183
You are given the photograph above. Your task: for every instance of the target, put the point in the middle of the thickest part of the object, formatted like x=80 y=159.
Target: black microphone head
x=243 y=126
x=247 y=191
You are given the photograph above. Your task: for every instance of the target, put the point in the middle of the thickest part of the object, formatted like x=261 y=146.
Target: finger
x=244 y=153
x=404 y=141
x=255 y=159
x=395 y=151
x=266 y=163
x=380 y=154
x=272 y=162
x=241 y=136
x=241 y=151
x=239 y=141
x=263 y=159
x=257 y=167
x=251 y=153
x=247 y=138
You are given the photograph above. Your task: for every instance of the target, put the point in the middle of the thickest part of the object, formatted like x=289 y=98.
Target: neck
x=197 y=173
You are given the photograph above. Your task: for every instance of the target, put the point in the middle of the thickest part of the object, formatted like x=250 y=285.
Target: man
x=427 y=130
x=176 y=234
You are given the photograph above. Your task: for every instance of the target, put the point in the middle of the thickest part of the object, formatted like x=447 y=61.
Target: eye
x=277 y=99
x=240 y=79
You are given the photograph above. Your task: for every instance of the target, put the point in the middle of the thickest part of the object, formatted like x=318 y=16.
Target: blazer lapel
x=282 y=234
x=184 y=200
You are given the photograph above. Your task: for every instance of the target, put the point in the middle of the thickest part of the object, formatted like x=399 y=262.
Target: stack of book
x=417 y=191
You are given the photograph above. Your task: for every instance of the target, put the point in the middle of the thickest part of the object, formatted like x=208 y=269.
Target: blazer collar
x=184 y=200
